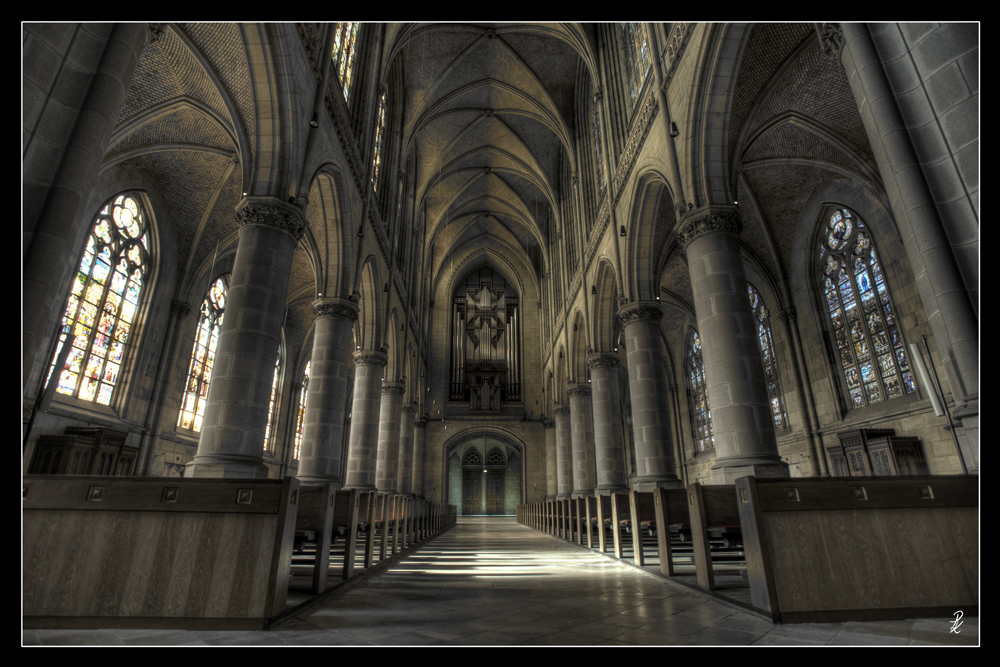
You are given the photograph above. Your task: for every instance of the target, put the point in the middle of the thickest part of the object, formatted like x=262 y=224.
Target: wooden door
x=495 y=492
x=472 y=491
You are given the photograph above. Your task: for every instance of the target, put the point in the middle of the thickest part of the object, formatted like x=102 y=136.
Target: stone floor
x=492 y=582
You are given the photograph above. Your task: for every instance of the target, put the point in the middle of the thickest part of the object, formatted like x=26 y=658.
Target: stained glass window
x=763 y=320
x=268 y=442
x=698 y=392
x=598 y=145
x=203 y=355
x=300 y=422
x=635 y=53
x=379 y=135
x=103 y=302
x=870 y=346
x=345 y=42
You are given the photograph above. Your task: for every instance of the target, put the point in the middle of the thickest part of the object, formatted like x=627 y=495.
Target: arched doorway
x=484 y=476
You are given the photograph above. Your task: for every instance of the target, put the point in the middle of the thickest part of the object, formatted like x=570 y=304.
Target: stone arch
x=578 y=371
x=651 y=221
x=467 y=455
x=367 y=329
x=605 y=308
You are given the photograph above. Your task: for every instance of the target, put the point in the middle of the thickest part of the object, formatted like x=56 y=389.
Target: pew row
x=822 y=550
x=155 y=552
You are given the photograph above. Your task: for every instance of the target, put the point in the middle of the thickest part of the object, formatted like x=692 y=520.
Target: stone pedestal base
x=226 y=467
x=646 y=486
x=729 y=474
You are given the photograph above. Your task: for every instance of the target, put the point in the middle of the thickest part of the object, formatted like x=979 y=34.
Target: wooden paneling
x=120 y=558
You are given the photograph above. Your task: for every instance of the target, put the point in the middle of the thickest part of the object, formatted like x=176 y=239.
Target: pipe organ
x=485 y=359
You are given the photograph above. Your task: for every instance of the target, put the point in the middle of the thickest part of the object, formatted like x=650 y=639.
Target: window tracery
x=762 y=319
x=634 y=49
x=344 y=47
x=103 y=302
x=300 y=422
x=268 y=442
x=379 y=135
x=701 y=411
x=869 y=343
x=203 y=355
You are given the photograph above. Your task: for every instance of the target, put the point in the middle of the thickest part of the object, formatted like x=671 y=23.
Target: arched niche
x=485 y=475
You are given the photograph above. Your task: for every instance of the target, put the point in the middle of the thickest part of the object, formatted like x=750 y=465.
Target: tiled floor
x=490 y=582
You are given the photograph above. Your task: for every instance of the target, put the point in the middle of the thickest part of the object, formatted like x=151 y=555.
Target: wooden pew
x=619 y=511
x=847 y=549
x=346 y=507
x=643 y=517
x=590 y=510
x=156 y=552
x=603 y=521
x=580 y=506
x=314 y=523
x=670 y=506
x=711 y=508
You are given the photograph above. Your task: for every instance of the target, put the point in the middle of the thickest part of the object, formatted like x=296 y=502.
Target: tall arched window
x=103 y=302
x=595 y=123
x=345 y=41
x=870 y=345
x=300 y=422
x=203 y=355
x=701 y=411
x=634 y=48
x=763 y=320
x=379 y=136
x=268 y=441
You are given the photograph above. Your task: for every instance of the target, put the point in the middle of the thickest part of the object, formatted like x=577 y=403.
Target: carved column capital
x=831 y=38
x=787 y=315
x=708 y=221
x=370 y=358
x=562 y=410
x=639 y=312
x=409 y=410
x=155 y=32
x=578 y=390
x=341 y=309
x=394 y=388
x=603 y=360
x=548 y=423
x=271 y=212
x=420 y=423
x=180 y=309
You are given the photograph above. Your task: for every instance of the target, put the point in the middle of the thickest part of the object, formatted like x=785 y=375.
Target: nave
x=488 y=581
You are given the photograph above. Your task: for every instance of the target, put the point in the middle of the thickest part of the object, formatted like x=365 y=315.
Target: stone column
x=232 y=433
x=745 y=443
x=551 y=463
x=368 y=368
x=582 y=432
x=647 y=376
x=323 y=428
x=418 y=457
x=609 y=445
x=564 y=453
x=387 y=466
x=405 y=483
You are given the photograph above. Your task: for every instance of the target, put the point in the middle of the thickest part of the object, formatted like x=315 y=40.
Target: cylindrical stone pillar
x=745 y=443
x=418 y=457
x=551 y=463
x=647 y=377
x=405 y=475
x=323 y=434
x=232 y=432
x=609 y=441
x=582 y=432
x=387 y=465
x=368 y=368
x=564 y=453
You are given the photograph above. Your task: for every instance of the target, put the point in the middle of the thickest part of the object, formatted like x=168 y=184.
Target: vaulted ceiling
x=489 y=114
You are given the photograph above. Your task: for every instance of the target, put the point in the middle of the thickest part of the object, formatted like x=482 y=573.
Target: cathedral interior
x=491 y=265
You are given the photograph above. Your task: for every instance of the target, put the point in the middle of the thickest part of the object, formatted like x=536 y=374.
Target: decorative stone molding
x=155 y=32
x=408 y=409
x=603 y=361
x=309 y=33
x=394 y=388
x=831 y=38
x=721 y=222
x=636 y=138
x=787 y=315
x=420 y=423
x=578 y=390
x=340 y=311
x=562 y=410
x=370 y=358
x=638 y=312
x=676 y=43
x=288 y=220
x=548 y=423
x=180 y=309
